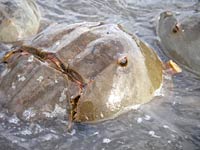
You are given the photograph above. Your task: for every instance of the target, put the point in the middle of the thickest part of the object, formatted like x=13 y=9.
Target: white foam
x=174 y=103
x=147 y=117
x=106 y=140
x=72 y=132
x=165 y=126
x=152 y=133
x=95 y=133
x=14 y=119
x=14 y=141
x=2 y=115
x=139 y=120
x=49 y=137
x=169 y=142
x=26 y=132
x=38 y=129
x=29 y=113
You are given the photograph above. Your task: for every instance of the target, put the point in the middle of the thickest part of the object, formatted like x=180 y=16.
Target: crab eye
x=176 y=28
x=123 y=61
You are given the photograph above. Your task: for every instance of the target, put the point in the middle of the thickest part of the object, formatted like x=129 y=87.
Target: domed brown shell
x=91 y=70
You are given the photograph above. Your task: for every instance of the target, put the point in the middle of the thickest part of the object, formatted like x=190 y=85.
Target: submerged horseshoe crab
x=95 y=71
x=18 y=19
x=181 y=39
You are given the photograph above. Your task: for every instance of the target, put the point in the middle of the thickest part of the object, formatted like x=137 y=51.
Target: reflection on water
x=169 y=122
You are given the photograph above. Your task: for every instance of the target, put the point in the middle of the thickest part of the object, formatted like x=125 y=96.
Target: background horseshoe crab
x=180 y=39
x=19 y=19
x=166 y=123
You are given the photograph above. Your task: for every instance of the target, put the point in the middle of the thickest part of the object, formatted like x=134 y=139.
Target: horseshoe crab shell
x=98 y=71
x=181 y=39
x=18 y=19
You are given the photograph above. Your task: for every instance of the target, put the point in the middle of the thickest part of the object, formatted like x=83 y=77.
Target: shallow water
x=171 y=121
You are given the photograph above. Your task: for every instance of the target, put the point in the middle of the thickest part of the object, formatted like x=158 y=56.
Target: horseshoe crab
x=93 y=70
x=181 y=39
x=18 y=19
